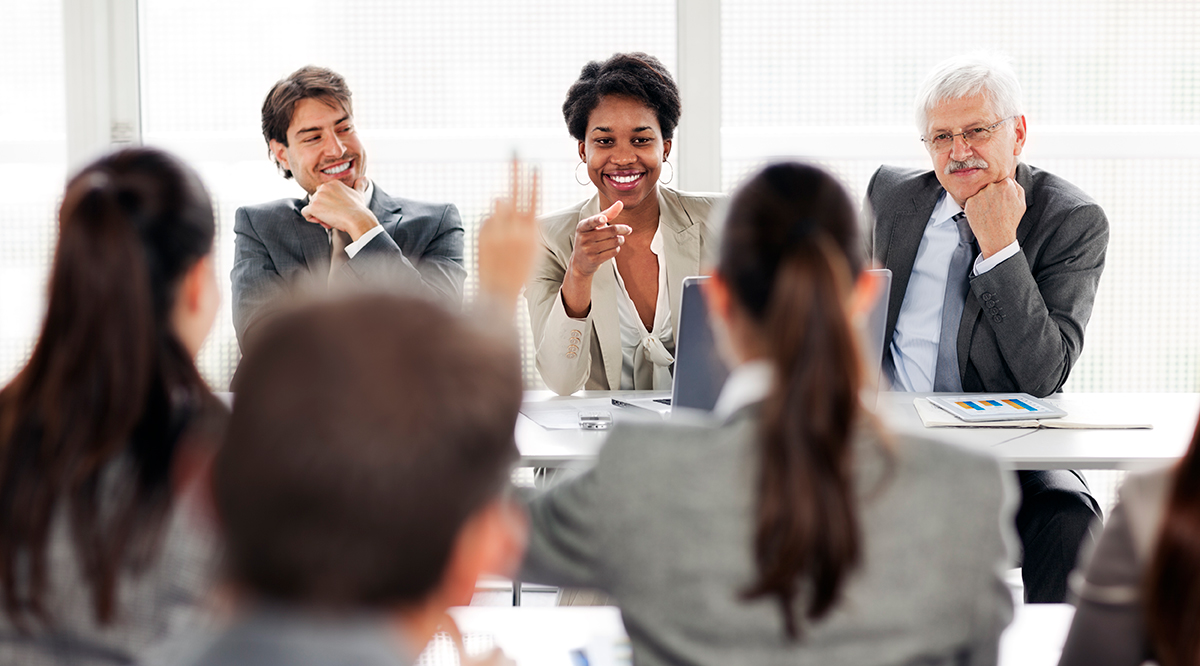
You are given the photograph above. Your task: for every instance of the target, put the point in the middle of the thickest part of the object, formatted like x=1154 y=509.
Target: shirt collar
x=749 y=383
x=945 y=210
x=370 y=193
x=656 y=243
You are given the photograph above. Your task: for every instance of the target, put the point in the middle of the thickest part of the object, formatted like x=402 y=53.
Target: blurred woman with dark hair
x=602 y=324
x=788 y=528
x=1138 y=594
x=99 y=558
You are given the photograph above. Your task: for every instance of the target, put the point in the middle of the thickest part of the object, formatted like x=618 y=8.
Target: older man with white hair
x=995 y=269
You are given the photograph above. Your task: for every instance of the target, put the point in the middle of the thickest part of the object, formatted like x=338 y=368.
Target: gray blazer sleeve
x=257 y=284
x=554 y=331
x=565 y=537
x=1039 y=316
x=438 y=272
x=1108 y=624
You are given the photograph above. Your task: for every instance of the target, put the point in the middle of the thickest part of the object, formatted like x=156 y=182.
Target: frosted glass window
x=32 y=169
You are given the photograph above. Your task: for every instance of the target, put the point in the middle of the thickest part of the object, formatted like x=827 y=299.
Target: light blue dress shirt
x=914 y=343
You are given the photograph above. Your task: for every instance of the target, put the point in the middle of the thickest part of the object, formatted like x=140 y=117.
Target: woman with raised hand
x=604 y=299
x=1138 y=595
x=789 y=527
x=102 y=554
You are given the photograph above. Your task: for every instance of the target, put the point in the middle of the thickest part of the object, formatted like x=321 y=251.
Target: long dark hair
x=1172 y=584
x=109 y=382
x=790 y=254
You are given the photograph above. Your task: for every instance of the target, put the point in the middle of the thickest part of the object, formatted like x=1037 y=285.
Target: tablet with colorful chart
x=978 y=407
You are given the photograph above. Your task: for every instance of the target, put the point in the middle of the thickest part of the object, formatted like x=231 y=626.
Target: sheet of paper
x=1083 y=414
x=563 y=414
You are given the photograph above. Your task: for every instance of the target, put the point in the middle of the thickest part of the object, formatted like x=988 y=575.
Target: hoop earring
x=581 y=164
x=668 y=163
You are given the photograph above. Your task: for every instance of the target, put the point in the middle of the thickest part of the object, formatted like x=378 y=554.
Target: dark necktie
x=337 y=257
x=946 y=377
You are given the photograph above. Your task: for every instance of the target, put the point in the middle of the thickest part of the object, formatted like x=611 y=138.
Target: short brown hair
x=307 y=82
x=365 y=434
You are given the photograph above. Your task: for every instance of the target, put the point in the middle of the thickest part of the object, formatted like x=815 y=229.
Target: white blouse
x=645 y=359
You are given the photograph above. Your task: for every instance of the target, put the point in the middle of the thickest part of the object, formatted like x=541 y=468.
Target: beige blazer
x=586 y=353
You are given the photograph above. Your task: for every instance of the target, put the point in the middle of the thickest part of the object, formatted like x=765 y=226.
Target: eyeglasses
x=940 y=143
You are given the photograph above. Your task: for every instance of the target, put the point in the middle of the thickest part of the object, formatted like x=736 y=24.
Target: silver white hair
x=967 y=76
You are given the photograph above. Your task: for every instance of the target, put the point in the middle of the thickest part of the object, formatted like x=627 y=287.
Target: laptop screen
x=700 y=372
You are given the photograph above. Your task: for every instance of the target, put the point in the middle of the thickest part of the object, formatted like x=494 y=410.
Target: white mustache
x=969 y=163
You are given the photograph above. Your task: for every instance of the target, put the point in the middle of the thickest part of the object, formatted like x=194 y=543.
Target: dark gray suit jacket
x=664 y=523
x=277 y=254
x=1023 y=322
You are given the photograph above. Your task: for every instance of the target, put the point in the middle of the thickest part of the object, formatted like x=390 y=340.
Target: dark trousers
x=1057 y=516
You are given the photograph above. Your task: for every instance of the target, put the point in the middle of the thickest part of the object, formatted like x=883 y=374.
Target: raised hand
x=508 y=241
x=994 y=213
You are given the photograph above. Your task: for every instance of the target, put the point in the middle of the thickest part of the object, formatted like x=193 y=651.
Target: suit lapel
x=607 y=320
x=604 y=307
x=1025 y=180
x=681 y=245
x=314 y=241
x=906 y=226
x=386 y=210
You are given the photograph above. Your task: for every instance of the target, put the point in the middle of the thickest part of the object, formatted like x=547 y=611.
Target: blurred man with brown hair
x=362 y=488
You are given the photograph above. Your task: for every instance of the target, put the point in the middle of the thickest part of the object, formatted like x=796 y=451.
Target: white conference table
x=1173 y=416
x=547 y=636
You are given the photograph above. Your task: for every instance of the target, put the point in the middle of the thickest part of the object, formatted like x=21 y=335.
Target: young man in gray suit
x=347 y=232
x=995 y=268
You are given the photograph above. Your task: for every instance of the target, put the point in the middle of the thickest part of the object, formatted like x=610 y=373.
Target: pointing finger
x=613 y=210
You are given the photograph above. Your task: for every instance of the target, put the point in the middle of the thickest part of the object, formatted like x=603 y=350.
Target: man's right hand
x=596 y=241
x=337 y=206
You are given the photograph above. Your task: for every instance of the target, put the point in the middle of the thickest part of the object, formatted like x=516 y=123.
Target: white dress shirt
x=747 y=384
x=914 y=343
x=654 y=343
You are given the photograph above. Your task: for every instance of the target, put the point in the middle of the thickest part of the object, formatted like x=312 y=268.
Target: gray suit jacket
x=277 y=637
x=1023 y=322
x=278 y=254
x=664 y=523
x=1109 y=627
x=156 y=605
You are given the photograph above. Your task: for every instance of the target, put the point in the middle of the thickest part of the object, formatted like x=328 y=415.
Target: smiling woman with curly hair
x=604 y=300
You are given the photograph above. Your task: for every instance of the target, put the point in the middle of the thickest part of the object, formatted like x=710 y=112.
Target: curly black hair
x=635 y=75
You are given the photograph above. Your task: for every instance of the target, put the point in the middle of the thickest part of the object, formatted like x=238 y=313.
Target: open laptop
x=700 y=372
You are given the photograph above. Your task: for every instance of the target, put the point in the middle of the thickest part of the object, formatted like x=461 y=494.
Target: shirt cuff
x=984 y=265
x=353 y=248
